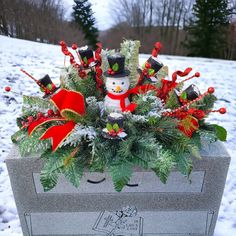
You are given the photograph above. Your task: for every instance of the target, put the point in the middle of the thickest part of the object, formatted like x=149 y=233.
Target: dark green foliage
x=206 y=103
x=212 y=132
x=165 y=129
x=86 y=86
x=60 y=162
x=172 y=101
x=121 y=174
x=184 y=163
x=208 y=36
x=83 y=16
x=221 y=132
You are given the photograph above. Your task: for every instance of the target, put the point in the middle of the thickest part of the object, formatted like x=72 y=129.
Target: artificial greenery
x=154 y=141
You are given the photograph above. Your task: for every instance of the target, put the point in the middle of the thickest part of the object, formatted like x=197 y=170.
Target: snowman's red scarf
x=137 y=90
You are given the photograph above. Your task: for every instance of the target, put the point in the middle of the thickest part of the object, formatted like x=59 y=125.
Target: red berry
x=197 y=74
x=39 y=115
x=211 y=90
x=62 y=43
x=50 y=112
x=222 y=110
x=30 y=119
x=147 y=65
x=57 y=113
x=158 y=45
x=74 y=46
x=113 y=72
x=7 y=89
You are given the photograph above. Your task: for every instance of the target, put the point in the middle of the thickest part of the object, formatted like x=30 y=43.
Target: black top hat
x=155 y=65
x=192 y=92
x=87 y=57
x=117 y=66
x=46 y=83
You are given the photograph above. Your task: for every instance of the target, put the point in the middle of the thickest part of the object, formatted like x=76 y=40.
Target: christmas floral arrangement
x=110 y=114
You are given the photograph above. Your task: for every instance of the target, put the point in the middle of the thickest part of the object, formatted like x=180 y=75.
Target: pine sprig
x=164 y=164
x=31 y=105
x=130 y=49
x=60 y=162
x=121 y=174
x=33 y=144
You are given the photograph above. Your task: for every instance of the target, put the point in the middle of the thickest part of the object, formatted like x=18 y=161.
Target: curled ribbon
x=65 y=101
x=168 y=85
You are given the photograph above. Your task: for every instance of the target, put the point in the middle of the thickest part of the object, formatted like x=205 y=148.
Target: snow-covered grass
x=40 y=59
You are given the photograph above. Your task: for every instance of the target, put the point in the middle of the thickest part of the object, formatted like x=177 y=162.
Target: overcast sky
x=100 y=9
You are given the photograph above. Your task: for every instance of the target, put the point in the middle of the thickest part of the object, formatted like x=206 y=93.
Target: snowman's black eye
x=123 y=83
x=114 y=83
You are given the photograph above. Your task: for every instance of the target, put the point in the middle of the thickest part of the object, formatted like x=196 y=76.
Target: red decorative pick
x=62 y=43
x=211 y=90
x=185 y=106
x=7 y=89
x=222 y=110
x=74 y=46
x=156 y=49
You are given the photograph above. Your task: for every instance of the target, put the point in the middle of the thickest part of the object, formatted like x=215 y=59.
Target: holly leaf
x=183 y=95
x=116 y=127
x=109 y=127
x=115 y=67
x=85 y=60
x=221 y=132
x=151 y=71
x=49 y=86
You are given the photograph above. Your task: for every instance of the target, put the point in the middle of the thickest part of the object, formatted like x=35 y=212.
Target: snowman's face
x=117 y=86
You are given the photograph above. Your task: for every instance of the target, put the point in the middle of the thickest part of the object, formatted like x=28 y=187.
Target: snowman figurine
x=117 y=85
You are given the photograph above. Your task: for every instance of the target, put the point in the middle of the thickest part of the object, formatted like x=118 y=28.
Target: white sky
x=101 y=12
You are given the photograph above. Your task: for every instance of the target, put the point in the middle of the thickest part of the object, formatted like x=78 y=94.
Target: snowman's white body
x=112 y=105
x=116 y=86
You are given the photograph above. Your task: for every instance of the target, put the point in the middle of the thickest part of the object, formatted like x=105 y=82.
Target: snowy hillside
x=40 y=59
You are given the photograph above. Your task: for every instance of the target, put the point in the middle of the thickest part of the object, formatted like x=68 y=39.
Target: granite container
x=145 y=207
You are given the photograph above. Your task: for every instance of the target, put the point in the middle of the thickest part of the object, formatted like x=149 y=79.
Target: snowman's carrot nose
x=118 y=88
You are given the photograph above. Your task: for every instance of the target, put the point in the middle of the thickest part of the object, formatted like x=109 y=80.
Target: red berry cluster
x=146 y=69
x=39 y=116
x=113 y=133
x=110 y=71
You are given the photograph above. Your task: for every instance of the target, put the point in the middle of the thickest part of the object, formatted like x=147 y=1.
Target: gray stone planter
x=145 y=207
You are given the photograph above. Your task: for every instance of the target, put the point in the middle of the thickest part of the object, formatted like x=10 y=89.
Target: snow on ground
x=40 y=59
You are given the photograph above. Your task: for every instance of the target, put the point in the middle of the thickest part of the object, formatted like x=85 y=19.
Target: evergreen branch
x=33 y=144
x=121 y=174
x=31 y=105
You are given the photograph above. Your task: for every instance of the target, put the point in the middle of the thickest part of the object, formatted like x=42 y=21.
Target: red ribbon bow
x=64 y=100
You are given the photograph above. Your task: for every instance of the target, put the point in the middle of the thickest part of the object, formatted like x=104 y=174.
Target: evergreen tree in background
x=208 y=29
x=83 y=16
